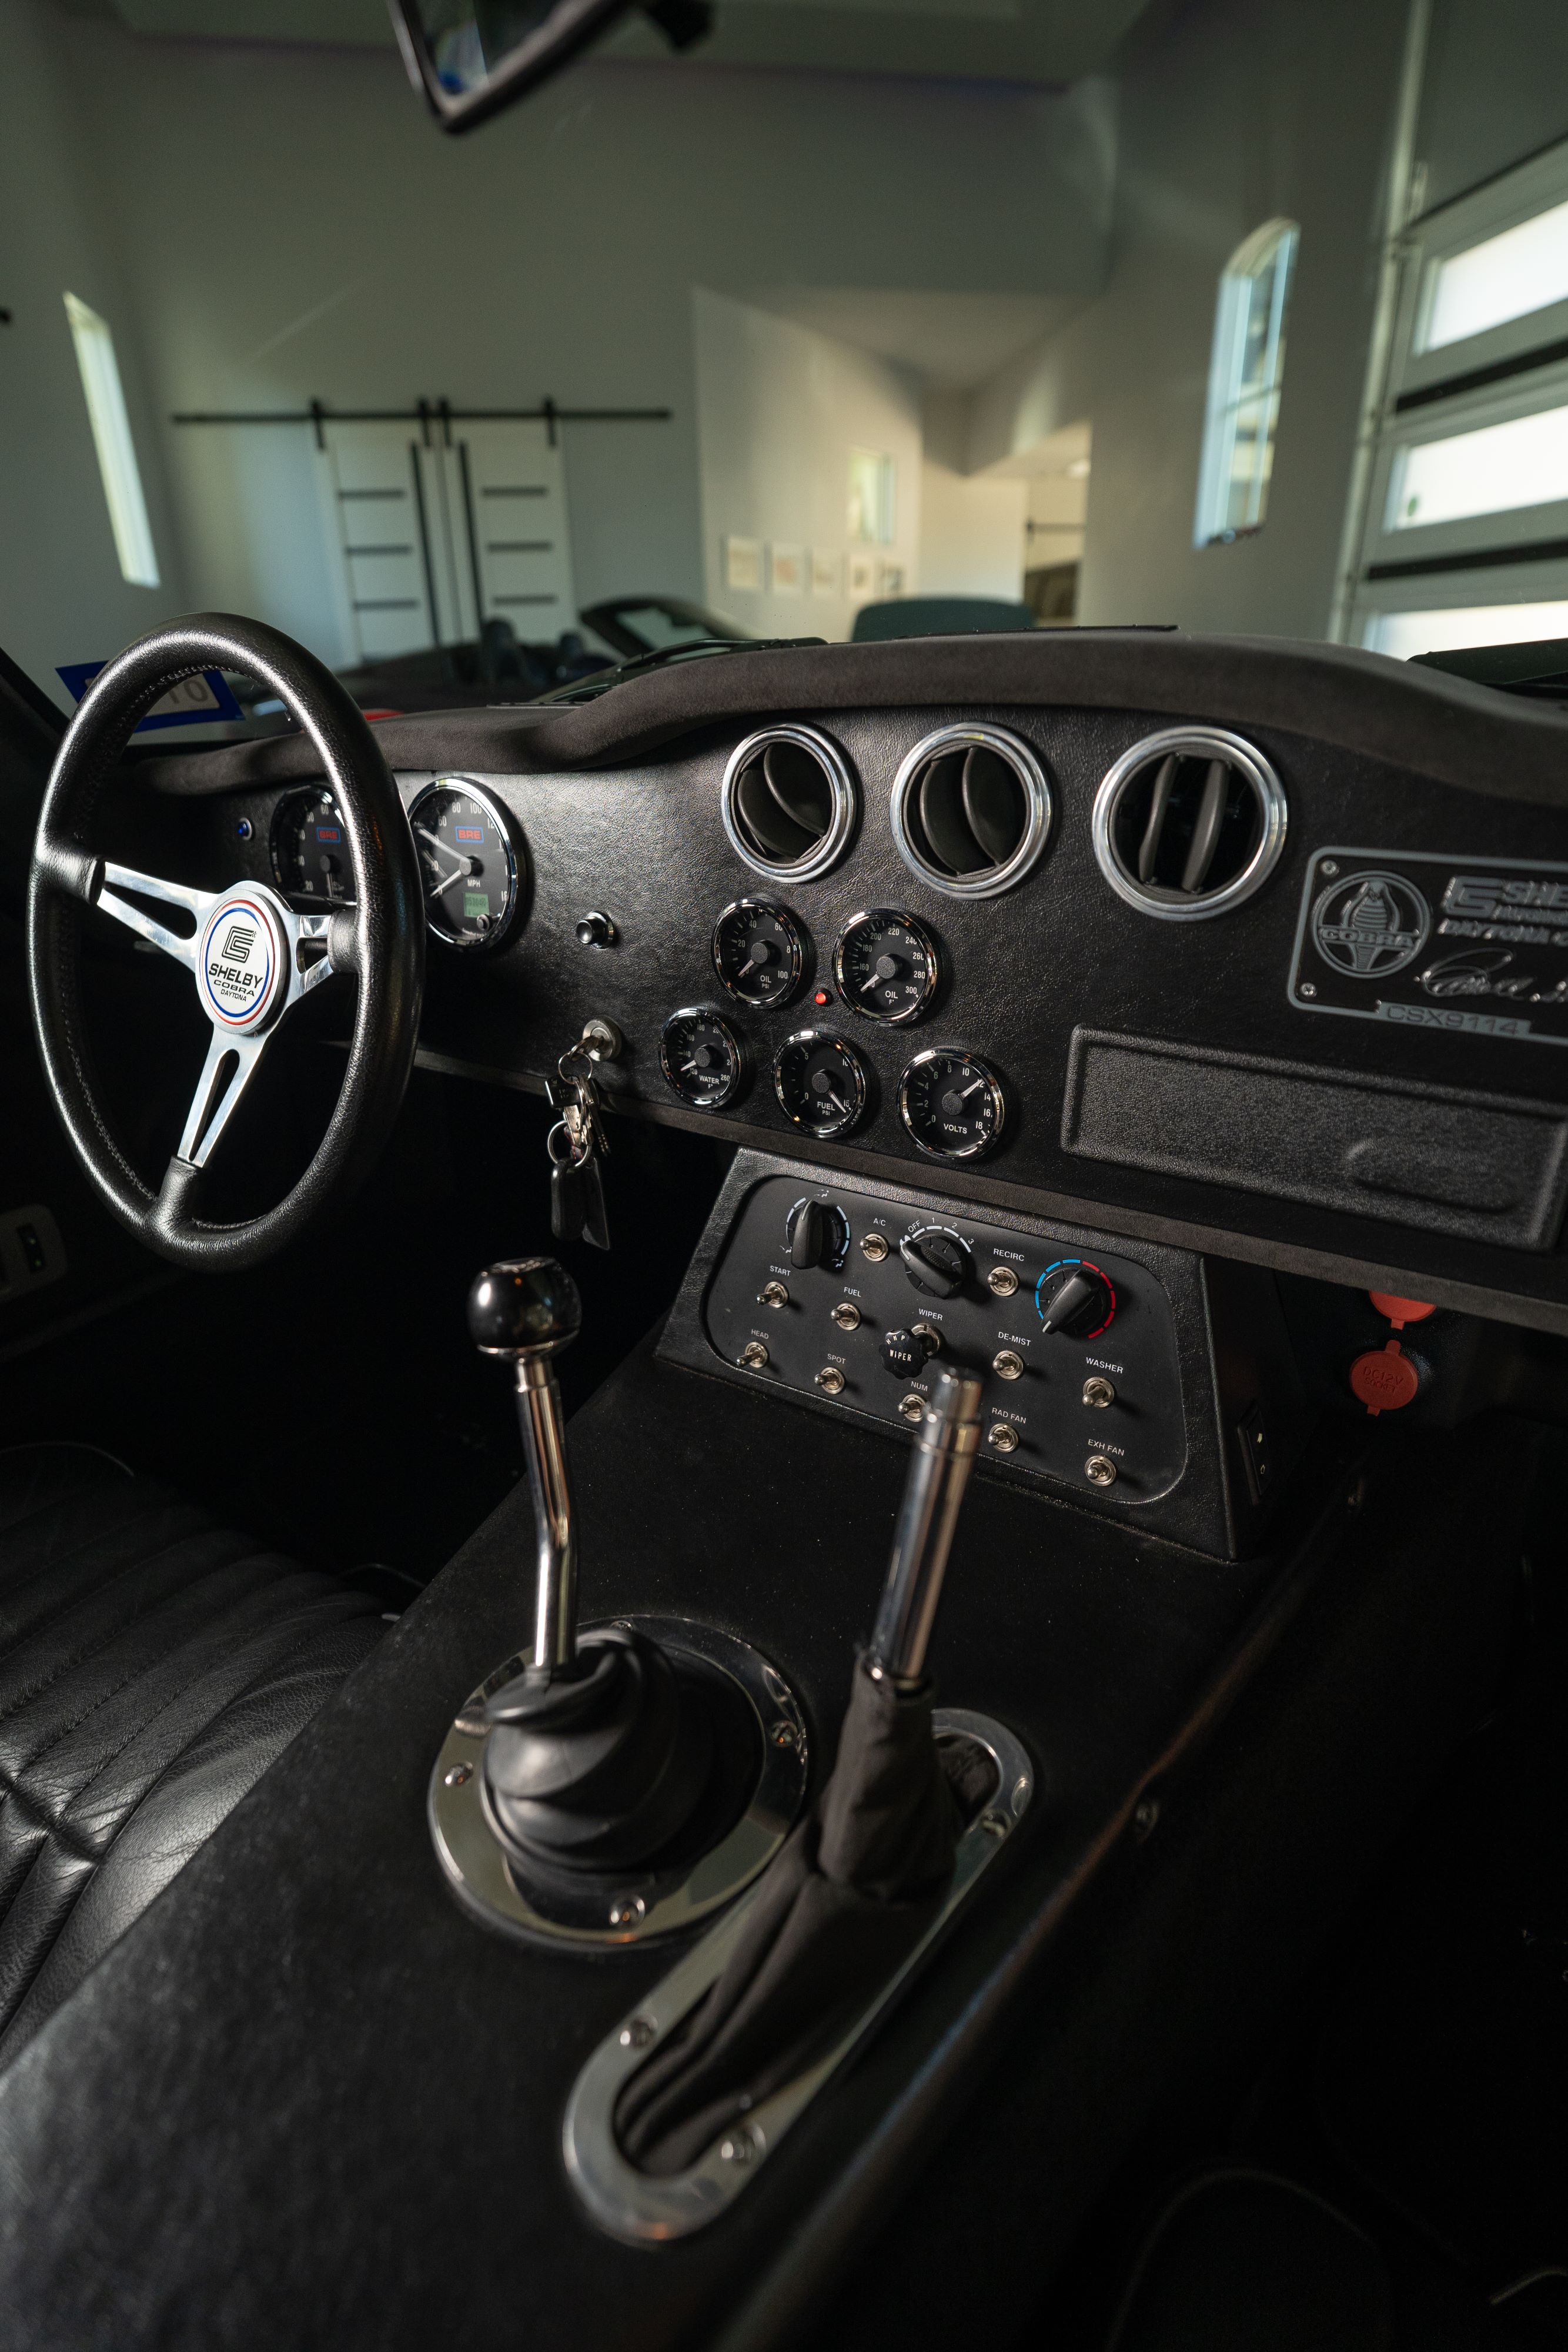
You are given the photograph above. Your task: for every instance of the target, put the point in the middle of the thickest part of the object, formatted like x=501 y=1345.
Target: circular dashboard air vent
x=1188 y=824
x=971 y=810
x=788 y=803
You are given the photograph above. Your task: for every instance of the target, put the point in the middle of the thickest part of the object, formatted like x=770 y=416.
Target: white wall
x=62 y=598
x=780 y=408
x=971 y=534
x=293 y=225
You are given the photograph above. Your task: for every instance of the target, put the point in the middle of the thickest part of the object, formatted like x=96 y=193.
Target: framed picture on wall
x=862 y=577
x=743 y=563
x=891 y=581
x=786 y=569
x=827 y=572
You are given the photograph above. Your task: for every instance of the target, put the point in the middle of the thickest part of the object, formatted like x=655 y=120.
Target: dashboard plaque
x=1476 y=945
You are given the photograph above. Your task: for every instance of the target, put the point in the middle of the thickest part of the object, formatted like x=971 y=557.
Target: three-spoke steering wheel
x=251 y=957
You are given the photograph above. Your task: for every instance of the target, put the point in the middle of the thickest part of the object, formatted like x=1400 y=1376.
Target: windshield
x=848 y=319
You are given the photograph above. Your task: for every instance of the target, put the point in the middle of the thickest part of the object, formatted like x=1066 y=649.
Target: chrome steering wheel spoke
x=231 y=1064
x=113 y=883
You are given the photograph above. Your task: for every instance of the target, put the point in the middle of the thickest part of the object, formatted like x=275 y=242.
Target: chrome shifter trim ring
x=642 y=1905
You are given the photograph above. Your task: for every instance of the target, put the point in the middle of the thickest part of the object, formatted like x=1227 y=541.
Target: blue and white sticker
x=193 y=702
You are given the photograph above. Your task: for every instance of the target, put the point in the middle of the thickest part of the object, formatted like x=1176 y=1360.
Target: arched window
x=1244 y=376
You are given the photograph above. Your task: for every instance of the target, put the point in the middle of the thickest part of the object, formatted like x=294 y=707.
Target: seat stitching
x=8 y=2011
x=85 y=1657
x=62 y=1559
x=311 y=1603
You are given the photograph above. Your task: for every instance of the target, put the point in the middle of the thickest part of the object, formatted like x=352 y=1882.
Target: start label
x=1476 y=945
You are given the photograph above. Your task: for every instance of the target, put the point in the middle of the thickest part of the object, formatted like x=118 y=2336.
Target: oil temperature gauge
x=952 y=1104
x=820 y=1082
x=702 y=1058
x=758 y=951
x=886 y=966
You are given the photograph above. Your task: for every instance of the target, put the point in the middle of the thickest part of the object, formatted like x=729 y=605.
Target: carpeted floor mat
x=1442 y=2078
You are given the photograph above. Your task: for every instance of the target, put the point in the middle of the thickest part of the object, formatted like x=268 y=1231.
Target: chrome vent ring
x=788 y=803
x=970 y=810
x=1188 y=824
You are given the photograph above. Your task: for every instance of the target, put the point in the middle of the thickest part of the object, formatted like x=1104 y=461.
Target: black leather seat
x=152 y=1664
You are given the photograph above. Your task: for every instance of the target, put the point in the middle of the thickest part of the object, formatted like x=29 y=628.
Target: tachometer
x=470 y=862
x=310 y=858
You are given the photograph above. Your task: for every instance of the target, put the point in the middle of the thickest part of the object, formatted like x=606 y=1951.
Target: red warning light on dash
x=822 y=996
x=328 y=832
x=468 y=832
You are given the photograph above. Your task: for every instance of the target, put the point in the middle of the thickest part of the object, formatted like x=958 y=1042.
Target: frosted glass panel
x=1522 y=464
x=1404 y=633
x=1521 y=270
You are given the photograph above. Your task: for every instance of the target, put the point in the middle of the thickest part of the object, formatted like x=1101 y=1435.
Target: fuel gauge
x=820 y=1082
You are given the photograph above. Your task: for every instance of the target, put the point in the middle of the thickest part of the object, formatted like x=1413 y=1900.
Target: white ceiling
x=952 y=341
x=1045 y=41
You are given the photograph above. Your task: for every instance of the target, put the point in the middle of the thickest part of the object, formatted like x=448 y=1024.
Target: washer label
x=239 y=967
x=1473 y=945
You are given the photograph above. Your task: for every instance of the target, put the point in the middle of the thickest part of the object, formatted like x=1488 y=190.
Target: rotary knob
x=936 y=1260
x=816 y=1234
x=1075 y=1298
x=907 y=1354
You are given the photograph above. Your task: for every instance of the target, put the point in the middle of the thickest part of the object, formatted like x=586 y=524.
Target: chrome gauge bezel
x=841 y=784
x=1024 y=764
x=501 y=817
x=733 y=1040
x=996 y=1093
x=802 y=1040
x=933 y=965
x=794 y=931
x=290 y=799
x=1198 y=743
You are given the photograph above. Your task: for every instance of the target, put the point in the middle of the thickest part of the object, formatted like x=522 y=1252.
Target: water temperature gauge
x=702 y=1058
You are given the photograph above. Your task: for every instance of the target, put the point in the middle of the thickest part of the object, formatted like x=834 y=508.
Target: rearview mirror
x=472 y=57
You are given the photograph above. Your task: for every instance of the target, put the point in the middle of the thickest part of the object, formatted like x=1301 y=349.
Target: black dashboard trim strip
x=1424 y=721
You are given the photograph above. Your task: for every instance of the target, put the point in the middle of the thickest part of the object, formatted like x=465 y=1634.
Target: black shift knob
x=527 y=1306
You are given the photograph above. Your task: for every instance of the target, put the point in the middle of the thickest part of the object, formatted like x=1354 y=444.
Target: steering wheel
x=251 y=957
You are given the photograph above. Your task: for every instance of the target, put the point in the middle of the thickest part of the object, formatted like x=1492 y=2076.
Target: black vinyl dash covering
x=849 y=1896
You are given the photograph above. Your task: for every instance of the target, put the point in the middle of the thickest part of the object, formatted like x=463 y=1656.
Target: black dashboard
x=1232 y=944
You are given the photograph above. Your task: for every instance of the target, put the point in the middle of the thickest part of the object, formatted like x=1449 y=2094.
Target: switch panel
x=1074 y=1339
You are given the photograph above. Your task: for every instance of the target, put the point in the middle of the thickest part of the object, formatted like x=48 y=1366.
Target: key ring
x=565 y=1157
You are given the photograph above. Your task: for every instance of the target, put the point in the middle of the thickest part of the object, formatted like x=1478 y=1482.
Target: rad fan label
x=1475 y=945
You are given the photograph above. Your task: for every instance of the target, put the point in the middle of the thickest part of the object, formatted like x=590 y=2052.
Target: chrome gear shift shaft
x=528 y=1310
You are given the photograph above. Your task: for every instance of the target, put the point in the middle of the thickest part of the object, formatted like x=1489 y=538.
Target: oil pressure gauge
x=820 y=1082
x=886 y=965
x=758 y=951
x=702 y=1058
x=952 y=1104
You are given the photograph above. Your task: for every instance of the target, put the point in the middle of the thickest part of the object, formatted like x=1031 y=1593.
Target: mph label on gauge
x=1476 y=945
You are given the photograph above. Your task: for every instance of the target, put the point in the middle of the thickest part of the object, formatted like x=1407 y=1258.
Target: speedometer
x=470 y=862
x=310 y=856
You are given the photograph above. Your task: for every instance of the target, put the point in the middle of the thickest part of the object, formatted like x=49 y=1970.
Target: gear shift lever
x=528 y=1310
x=596 y=1757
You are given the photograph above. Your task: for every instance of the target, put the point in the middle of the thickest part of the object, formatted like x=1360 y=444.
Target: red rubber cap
x=1400 y=1311
x=1385 y=1378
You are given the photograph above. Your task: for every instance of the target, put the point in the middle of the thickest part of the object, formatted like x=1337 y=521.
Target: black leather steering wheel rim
x=381 y=940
